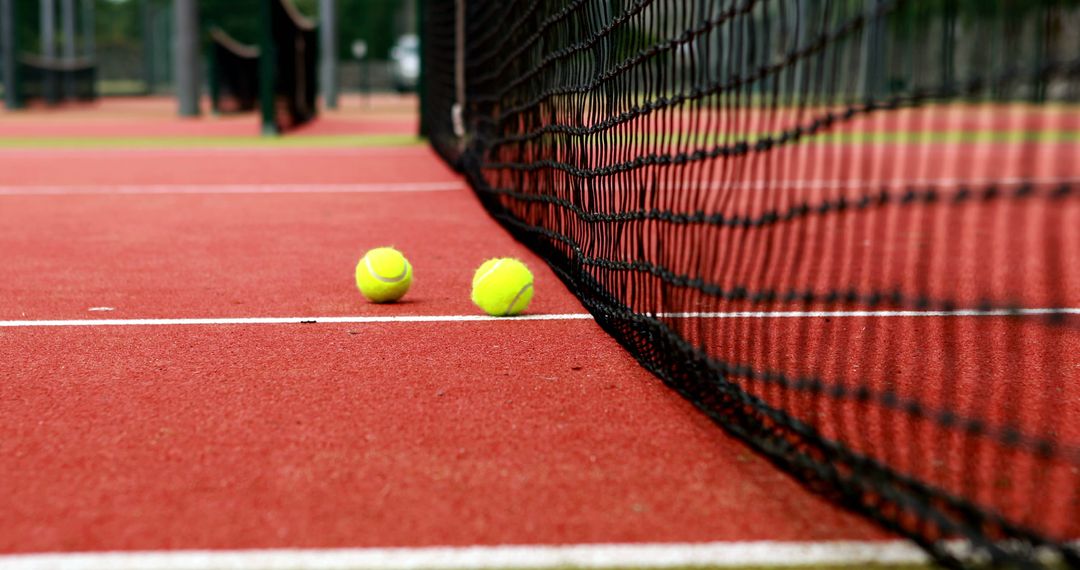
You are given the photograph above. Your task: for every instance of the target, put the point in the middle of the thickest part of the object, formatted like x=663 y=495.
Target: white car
x=405 y=58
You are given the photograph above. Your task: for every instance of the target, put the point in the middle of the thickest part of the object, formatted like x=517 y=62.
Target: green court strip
x=127 y=87
x=254 y=141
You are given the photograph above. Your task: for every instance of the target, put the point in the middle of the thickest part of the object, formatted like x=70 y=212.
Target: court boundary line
x=646 y=555
x=366 y=319
x=942 y=183
x=184 y=189
x=1019 y=312
x=316 y=188
x=185 y=152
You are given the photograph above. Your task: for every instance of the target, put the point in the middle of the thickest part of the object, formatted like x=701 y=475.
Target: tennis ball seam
x=390 y=280
x=517 y=297
x=379 y=287
x=497 y=298
x=478 y=280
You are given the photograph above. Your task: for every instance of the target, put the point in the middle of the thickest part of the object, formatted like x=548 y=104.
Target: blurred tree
x=377 y=22
x=118 y=22
x=27 y=18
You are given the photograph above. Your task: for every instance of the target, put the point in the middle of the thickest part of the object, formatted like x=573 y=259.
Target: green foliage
x=26 y=27
x=120 y=22
x=114 y=21
x=377 y=22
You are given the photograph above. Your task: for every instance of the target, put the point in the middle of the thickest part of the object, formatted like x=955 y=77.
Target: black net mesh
x=234 y=74
x=439 y=87
x=295 y=56
x=54 y=81
x=846 y=230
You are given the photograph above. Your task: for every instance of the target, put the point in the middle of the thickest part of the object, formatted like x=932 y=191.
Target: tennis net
x=848 y=231
x=234 y=74
x=290 y=46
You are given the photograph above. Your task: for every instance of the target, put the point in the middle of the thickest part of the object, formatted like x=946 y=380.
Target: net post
x=67 y=44
x=328 y=39
x=267 y=69
x=213 y=81
x=47 y=22
x=457 y=110
x=186 y=56
x=8 y=49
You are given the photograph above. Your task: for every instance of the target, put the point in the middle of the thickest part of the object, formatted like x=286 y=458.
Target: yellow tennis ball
x=383 y=275
x=502 y=287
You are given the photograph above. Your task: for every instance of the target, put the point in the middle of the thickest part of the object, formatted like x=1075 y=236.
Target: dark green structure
x=8 y=48
x=288 y=67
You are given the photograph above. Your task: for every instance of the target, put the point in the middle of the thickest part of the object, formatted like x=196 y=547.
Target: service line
x=1030 y=312
x=139 y=189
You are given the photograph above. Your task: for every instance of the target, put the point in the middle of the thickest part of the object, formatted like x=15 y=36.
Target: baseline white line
x=307 y=188
x=175 y=152
x=289 y=320
x=134 y=189
x=716 y=554
x=545 y=317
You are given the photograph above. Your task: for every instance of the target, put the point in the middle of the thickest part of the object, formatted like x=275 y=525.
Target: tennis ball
x=502 y=287
x=383 y=275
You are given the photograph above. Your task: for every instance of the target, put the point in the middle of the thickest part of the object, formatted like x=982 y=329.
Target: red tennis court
x=806 y=275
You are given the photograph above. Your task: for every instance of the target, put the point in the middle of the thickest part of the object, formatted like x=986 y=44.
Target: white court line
x=201 y=151
x=884 y=314
x=137 y=189
x=290 y=320
x=535 y=317
x=715 y=554
x=130 y=189
x=871 y=184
